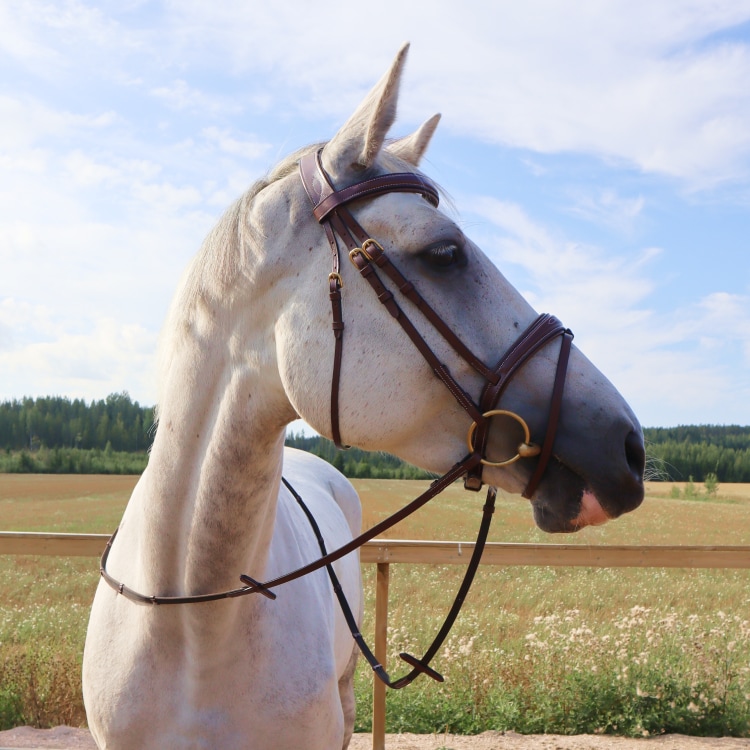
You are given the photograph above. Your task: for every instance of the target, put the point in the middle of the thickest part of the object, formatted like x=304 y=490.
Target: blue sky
x=598 y=152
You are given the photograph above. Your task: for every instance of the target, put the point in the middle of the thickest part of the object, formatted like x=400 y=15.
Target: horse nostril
x=635 y=454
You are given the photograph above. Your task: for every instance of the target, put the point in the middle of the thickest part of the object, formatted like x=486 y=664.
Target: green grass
x=73 y=461
x=537 y=649
x=542 y=650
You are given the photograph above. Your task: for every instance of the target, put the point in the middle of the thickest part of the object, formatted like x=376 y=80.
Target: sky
x=598 y=152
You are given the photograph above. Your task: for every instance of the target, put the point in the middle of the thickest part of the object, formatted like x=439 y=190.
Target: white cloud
x=249 y=147
x=651 y=84
x=180 y=95
x=560 y=270
x=109 y=357
x=49 y=39
x=726 y=318
x=606 y=207
x=25 y=121
x=665 y=363
x=168 y=196
x=640 y=82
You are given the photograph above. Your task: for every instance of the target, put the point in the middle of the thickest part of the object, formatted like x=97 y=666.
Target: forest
x=58 y=435
x=56 y=422
x=679 y=453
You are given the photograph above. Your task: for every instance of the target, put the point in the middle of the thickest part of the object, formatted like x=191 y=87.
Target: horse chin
x=563 y=503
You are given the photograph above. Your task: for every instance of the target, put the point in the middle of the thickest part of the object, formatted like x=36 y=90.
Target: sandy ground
x=68 y=738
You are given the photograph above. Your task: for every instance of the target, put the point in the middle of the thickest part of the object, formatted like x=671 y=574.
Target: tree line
x=60 y=435
x=56 y=422
x=112 y=436
x=356 y=463
x=696 y=451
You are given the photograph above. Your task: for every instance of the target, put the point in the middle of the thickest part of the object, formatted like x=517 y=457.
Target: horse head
x=387 y=395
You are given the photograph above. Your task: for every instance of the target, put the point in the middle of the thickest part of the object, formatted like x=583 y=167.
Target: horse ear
x=413 y=147
x=359 y=141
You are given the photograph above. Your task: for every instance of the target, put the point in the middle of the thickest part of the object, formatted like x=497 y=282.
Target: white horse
x=248 y=348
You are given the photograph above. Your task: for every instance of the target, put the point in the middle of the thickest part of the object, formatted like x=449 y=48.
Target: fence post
x=382 y=580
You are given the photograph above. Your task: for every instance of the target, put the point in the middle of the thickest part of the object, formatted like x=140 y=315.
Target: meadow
x=537 y=649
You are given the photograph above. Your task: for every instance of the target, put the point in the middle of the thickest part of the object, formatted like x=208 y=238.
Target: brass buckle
x=526 y=449
x=363 y=250
x=333 y=276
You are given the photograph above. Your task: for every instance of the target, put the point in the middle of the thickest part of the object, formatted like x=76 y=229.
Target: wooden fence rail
x=383 y=552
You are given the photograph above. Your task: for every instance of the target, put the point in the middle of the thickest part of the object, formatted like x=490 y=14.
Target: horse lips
x=592 y=513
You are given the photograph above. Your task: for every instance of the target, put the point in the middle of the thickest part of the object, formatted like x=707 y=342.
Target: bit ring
x=526 y=449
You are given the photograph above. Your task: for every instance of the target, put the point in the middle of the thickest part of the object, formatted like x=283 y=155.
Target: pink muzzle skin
x=592 y=513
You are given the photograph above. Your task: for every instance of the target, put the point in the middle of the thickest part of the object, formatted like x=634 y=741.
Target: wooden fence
x=384 y=552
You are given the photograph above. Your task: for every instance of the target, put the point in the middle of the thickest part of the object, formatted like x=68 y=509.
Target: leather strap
x=554 y=415
x=255 y=587
x=419 y=666
x=545 y=328
x=325 y=198
x=329 y=208
x=438 y=367
x=139 y=598
x=380 y=259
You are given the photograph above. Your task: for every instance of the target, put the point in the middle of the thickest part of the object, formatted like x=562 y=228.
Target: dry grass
x=64 y=503
x=44 y=606
x=455 y=514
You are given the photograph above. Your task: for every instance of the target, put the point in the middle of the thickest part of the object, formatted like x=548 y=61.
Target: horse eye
x=443 y=255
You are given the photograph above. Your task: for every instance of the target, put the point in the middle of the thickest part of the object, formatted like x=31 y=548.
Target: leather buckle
x=257 y=586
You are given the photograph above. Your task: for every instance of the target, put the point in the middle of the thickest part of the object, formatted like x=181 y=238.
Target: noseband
x=368 y=256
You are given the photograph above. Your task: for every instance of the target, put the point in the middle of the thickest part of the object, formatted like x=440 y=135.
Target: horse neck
x=215 y=467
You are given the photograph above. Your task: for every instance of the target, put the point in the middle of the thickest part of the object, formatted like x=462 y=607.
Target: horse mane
x=212 y=274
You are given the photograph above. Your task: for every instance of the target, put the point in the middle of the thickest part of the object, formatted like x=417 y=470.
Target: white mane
x=213 y=272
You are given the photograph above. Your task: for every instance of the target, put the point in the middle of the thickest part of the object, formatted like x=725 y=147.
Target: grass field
x=629 y=651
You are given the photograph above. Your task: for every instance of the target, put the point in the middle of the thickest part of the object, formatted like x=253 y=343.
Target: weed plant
x=533 y=664
x=43 y=618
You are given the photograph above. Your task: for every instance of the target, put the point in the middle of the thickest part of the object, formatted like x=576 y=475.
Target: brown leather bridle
x=367 y=255
x=330 y=209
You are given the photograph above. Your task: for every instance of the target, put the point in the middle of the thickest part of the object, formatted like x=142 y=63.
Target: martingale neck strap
x=252 y=586
x=330 y=209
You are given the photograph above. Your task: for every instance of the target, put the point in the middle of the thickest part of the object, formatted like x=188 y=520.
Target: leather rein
x=367 y=255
